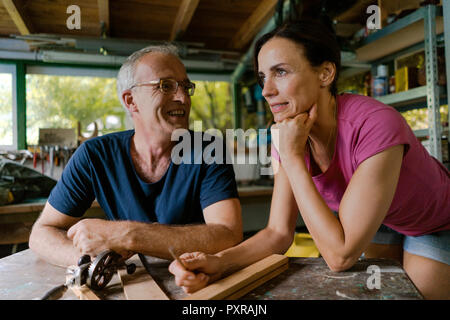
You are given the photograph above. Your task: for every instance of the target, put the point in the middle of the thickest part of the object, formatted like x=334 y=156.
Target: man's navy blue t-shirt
x=102 y=169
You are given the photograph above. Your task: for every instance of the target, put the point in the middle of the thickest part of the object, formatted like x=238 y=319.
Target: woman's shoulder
x=357 y=108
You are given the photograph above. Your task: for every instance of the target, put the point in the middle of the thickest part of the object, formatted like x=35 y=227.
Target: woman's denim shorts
x=435 y=246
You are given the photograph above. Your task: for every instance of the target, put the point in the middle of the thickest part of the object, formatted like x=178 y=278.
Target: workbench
x=17 y=220
x=23 y=276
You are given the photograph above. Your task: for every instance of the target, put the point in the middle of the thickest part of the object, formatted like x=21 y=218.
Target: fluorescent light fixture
x=81 y=58
x=97 y=59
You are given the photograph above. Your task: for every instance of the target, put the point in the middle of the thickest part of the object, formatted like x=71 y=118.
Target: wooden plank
x=140 y=285
x=51 y=17
x=253 y=24
x=32 y=207
x=84 y=293
x=396 y=41
x=228 y=286
x=355 y=12
x=388 y=7
x=17 y=14
x=103 y=14
x=242 y=292
x=183 y=18
x=255 y=192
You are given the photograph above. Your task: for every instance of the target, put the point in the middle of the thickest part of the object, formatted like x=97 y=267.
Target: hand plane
x=95 y=274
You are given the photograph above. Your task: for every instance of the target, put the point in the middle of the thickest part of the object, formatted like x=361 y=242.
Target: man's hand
x=200 y=270
x=92 y=236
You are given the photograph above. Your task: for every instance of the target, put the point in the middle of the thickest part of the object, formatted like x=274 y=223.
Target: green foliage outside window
x=212 y=105
x=61 y=101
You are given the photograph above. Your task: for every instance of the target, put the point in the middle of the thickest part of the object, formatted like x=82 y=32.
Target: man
x=149 y=198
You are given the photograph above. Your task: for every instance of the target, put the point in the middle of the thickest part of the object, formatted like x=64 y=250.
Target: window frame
x=11 y=69
x=31 y=67
x=70 y=71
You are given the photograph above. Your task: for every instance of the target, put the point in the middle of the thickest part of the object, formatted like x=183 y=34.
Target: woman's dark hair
x=316 y=37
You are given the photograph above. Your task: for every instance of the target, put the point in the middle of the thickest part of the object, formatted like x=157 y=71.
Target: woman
x=348 y=163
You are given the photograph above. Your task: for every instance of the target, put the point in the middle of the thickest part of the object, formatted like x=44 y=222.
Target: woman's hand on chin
x=291 y=134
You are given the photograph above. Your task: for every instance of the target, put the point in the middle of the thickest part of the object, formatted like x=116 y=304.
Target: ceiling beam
x=184 y=16
x=253 y=24
x=18 y=16
x=103 y=15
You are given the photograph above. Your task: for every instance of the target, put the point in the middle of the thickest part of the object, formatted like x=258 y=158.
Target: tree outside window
x=62 y=101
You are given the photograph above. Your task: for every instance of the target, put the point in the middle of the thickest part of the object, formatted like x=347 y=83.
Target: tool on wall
x=81 y=138
x=51 y=155
x=94 y=274
x=42 y=159
x=35 y=157
x=65 y=156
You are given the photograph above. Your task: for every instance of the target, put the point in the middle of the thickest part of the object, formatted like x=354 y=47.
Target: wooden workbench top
x=255 y=191
x=25 y=276
x=37 y=206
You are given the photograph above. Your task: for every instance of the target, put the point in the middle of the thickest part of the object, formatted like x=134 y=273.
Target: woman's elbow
x=230 y=238
x=282 y=242
x=340 y=264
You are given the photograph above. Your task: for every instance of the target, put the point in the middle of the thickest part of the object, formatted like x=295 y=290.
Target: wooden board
x=396 y=41
x=257 y=283
x=140 y=285
x=84 y=293
x=239 y=280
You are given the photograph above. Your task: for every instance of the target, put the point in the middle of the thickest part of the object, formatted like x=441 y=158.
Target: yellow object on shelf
x=405 y=79
x=303 y=246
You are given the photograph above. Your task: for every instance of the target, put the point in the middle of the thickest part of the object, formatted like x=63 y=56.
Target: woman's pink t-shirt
x=365 y=127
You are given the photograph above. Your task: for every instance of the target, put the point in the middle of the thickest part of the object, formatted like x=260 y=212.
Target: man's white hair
x=125 y=77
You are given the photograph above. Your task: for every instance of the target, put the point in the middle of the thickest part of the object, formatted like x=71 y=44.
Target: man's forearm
x=154 y=239
x=52 y=245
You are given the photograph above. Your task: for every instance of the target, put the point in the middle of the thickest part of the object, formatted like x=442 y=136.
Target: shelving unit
x=402 y=36
x=412 y=96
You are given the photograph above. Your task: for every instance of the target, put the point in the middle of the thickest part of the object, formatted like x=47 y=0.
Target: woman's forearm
x=257 y=247
x=324 y=226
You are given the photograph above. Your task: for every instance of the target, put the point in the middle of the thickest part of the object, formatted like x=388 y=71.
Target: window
x=7 y=109
x=212 y=105
x=58 y=100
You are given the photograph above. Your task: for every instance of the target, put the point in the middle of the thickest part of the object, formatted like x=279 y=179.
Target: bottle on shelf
x=380 y=83
x=392 y=84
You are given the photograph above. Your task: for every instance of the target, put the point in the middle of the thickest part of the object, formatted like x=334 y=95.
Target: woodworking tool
x=41 y=151
x=175 y=257
x=95 y=274
x=35 y=157
x=51 y=155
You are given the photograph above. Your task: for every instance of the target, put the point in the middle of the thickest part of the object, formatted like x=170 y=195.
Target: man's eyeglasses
x=169 y=86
